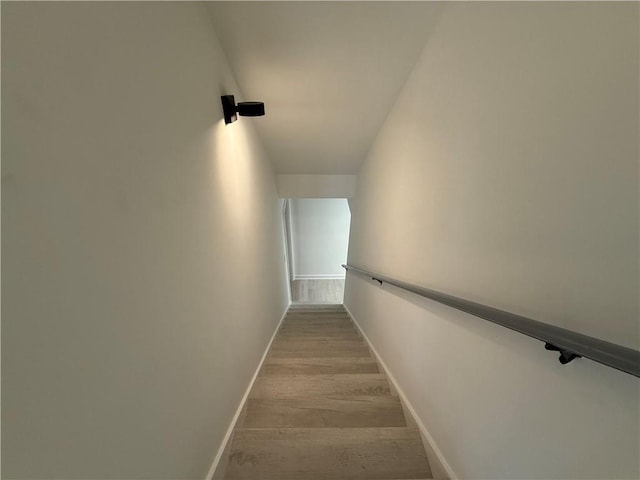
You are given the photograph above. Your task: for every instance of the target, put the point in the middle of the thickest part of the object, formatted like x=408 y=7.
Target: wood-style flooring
x=321 y=408
x=317 y=291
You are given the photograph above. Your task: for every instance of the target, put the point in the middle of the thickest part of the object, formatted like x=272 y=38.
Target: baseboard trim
x=232 y=425
x=441 y=463
x=320 y=276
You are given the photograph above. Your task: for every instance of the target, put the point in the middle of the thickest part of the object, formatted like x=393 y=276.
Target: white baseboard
x=320 y=276
x=232 y=425
x=437 y=457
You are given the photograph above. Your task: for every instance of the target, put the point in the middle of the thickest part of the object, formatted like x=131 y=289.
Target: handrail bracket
x=565 y=355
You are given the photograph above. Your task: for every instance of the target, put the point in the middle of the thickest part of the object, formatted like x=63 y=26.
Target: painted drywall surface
x=507 y=173
x=328 y=72
x=320 y=236
x=316 y=186
x=141 y=239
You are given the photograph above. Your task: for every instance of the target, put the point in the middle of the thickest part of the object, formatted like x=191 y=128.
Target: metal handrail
x=568 y=343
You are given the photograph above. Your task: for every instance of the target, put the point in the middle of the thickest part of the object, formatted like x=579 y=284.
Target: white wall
x=320 y=234
x=142 y=271
x=507 y=173
x=316 y=186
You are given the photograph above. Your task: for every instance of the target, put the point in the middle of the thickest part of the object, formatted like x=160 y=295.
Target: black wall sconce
x=245 y=109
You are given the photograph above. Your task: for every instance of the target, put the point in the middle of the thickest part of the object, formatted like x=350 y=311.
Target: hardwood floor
x=317 y=291
x=321 y=408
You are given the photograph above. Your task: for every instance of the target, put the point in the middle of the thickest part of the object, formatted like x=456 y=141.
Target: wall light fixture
x=245 y=109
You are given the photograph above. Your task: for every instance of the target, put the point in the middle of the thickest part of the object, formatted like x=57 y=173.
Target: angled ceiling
x=328 y=73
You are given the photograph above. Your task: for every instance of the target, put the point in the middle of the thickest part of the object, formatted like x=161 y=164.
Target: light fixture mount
x=245 y=109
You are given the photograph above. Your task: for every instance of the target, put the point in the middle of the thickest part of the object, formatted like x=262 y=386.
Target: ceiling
x=328 y=73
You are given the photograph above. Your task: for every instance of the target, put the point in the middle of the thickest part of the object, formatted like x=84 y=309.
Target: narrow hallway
x=322 y=408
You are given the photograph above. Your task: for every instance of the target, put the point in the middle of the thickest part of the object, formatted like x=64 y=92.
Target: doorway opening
x=317 y=231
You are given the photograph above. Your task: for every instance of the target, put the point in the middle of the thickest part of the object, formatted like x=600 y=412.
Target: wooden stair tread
x=294 y=322
x=302 y=343
x=317 y=320
x=304 y=336
x=317 y=311
x=337 y=411
x=286 y=386
x=321 y=453
x=305 y=307
x=319 y=365
x=332 y=331
x=337 y=351
x=343 y=337
x=318 y=314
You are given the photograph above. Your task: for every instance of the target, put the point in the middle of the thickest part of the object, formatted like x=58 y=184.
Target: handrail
x=569 y=344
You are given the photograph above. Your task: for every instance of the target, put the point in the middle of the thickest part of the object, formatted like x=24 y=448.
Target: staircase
x=322 y=409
